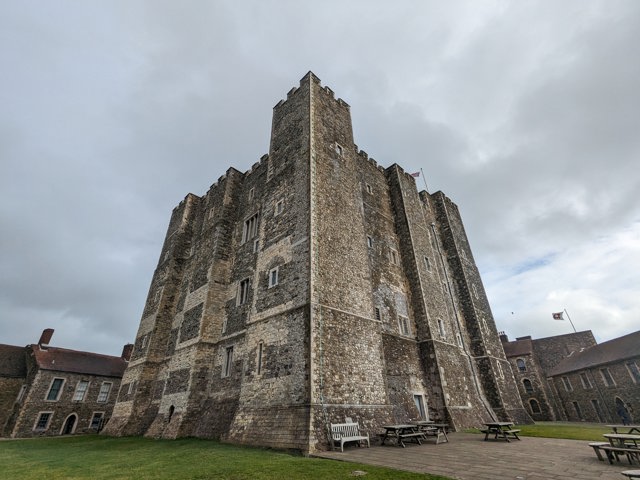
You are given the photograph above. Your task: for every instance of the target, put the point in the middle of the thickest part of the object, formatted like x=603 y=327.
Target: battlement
x=310 y=78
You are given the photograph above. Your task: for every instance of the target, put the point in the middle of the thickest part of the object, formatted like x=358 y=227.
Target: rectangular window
x=338 y=149
x=260 y=349
x=55 y=389
x=606 y=376
x=81 y=391
x=596 y=408
x=403 y=324
x=441 y=328
x=250 y=228
x=279 y=207
x=634 y=371
x=132 y=388
x=96 y=421
x=251 y=194
x=394 y=257
x=228 y=362
x=273 y=277
x=419 y=401
x=567 y=384
x=427 y=263
x=256 y=246
x=586 y=383
x=211 y=213
x=459 y=339
x=21 y=393
x=243 y=292
x=369 y=189
x=42 y=422
x=105 y=389
x=369 y=242
x=376 y=312
x=577 y=409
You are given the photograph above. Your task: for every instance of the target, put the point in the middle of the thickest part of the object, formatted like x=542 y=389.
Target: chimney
x=503 y=337
x=127 y=350
x=45 y=338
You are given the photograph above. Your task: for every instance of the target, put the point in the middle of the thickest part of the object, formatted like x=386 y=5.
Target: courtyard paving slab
x=468 y=457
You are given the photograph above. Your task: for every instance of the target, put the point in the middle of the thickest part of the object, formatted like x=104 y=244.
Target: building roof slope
x=614 y=350
x=13 y=362
x=73 y=361
x=517 y=347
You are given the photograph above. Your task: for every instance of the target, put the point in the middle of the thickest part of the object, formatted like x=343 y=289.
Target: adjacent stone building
x=533 y=359
x=46 y=391
x=316 y=286
x=601 y=383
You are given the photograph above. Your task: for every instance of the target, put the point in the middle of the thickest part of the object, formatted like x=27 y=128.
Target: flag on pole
x=416 y=174
x=557 y=316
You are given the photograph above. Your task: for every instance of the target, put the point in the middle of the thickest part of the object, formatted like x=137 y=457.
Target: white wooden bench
x=347 y=432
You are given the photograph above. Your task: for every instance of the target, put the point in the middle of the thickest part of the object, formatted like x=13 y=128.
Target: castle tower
x=313 y=287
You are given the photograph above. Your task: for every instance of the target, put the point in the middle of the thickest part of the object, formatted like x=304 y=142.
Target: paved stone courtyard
x=468 y=457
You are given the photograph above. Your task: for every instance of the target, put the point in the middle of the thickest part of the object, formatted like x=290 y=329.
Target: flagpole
x=424 y=179
x=574 y=328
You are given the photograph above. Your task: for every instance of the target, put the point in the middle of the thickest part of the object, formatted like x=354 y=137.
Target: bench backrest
x=345 y=430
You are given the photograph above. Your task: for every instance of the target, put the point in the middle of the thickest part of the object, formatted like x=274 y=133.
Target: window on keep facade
x=250 y=228
x=259 y=362
x=586 y=383
x=55 y=389
x=81 y=391
x=535 y=406
x=596 y=407
x=42 y=421
x=279 y=207
x=528 y=387
x=567 y=384
x=634 y=371
x=403 y=325
x=441 y=329
x=228 y=362
x=521 y=365
x=273 y=277
x=21 y=393
x=377 y=314
x=606 y=377
x=243 y=292
x=393 y=256
x=427 y=263
x=420 y=405
x=369 y=242
x=103 y=394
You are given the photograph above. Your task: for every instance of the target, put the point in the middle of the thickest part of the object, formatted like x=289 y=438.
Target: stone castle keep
x=316 y=286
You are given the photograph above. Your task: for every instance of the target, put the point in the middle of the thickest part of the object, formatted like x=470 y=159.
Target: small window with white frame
x=369 y=242
x=43 y=419
x=243 y=291
x=634 y=371
x=441 y=329
x=421 y=406
x=252 y=192
x=228 y=362
x=55 y=390
x=393 y=256
x=274 y=276
x=250 y=228
x=279 y=208
x=21 y=393
x=81 y=390
x=607 y=378
x=103 y=394
x=567 y=384
x=132 y=388
x=97 y=421
x=403 y=325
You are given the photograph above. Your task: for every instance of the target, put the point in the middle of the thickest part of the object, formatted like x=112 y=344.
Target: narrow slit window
x=243 y=291
x=259 y=362
x=228 y=362
x=273 y=277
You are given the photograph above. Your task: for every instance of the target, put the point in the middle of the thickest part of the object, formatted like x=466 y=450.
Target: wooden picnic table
x=431 y=429
x=628 y=428
x=622 y=439
x=500 y=430
x=402 y=432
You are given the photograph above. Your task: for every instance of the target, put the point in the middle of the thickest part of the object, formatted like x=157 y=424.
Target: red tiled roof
x=517 y=348
x=614 y=350
x=74 y=361
x=12 y=361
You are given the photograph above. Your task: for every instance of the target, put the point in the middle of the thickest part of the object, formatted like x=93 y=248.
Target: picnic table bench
x=347 y=432
x=401 y=433
x=615 y=451
x=500 y=430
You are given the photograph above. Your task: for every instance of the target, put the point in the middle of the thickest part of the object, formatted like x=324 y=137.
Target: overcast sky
x=526 y=114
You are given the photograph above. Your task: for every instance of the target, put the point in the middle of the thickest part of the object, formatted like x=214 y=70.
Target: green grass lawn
x=98 y=457
x=574 y=431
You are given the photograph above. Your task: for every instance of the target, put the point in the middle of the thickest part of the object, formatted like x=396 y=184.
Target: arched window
x=535 y=407
x=527 y=385
x=521 y=366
